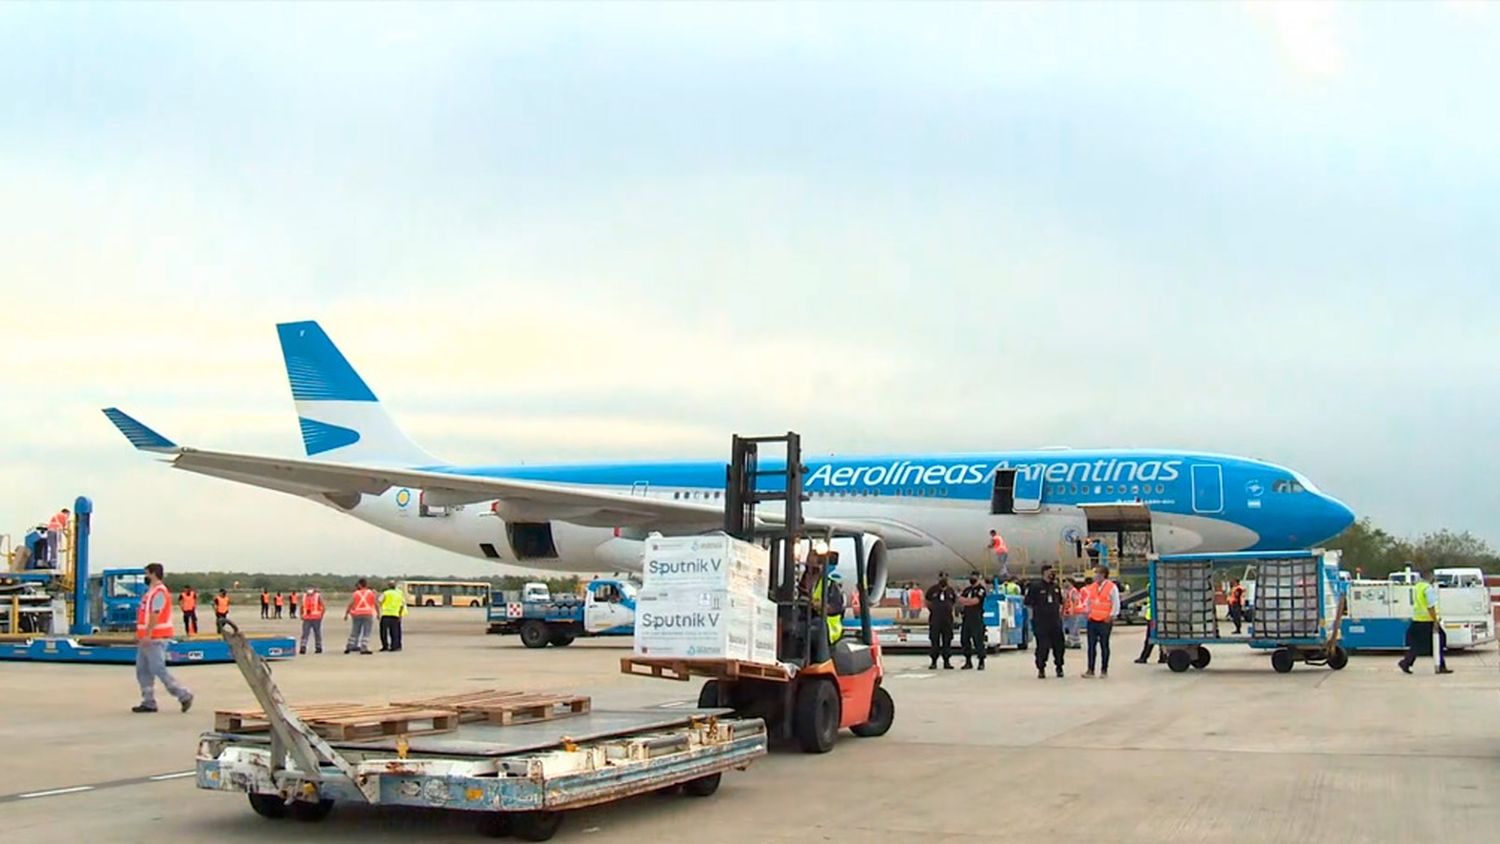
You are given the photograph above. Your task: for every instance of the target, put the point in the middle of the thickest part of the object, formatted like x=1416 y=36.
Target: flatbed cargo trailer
x=517 y=780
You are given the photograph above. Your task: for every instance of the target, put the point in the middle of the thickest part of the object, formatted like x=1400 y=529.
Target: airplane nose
x=1336 y=517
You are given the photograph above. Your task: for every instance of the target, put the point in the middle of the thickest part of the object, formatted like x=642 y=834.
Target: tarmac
x=1232 y=753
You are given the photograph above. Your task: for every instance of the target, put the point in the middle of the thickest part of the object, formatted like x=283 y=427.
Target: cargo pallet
x=517 y=780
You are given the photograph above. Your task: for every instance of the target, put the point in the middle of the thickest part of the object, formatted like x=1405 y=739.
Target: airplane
x=918 y=514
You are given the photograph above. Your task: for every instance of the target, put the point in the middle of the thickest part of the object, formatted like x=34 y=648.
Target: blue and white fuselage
x=930 y=512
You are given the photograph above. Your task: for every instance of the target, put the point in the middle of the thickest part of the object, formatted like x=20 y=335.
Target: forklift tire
x=1179 y=661
x=311 y=812
x=1282 y=661
x=882 y=715
x=562 y=639
x=815 y=716
x=1202 y=658
x=702 y=786
x=268 y=806
x=534 y=634
x=708 y=696
x=1338 y=658
x=535 y=826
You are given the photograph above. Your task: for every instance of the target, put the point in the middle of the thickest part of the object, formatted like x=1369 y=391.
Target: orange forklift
x=835 y=685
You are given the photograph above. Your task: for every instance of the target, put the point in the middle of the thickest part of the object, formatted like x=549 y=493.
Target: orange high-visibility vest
x=189 y=601
x=58 y=521
x=914 y=599
x=1097 y=597
x=293 y=598
x=159 y=624
x=997 y=544
x=221 y=604
x=1072 y=602
x=1237 y=595
x=278 y=599
x=363 y=602
x=312 y=607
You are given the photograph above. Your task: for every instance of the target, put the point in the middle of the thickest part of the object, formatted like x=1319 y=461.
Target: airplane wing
x=343 y=484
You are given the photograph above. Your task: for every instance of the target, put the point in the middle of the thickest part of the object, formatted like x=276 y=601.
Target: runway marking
x=911 y=676
x=55 y=792
x=98 y=786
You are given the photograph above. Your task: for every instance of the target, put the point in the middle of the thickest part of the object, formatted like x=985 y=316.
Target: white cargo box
x=702 y=624
x=763 y=642
x=709 y=562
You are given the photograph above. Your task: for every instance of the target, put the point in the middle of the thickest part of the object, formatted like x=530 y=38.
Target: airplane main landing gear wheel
x=1179 y=661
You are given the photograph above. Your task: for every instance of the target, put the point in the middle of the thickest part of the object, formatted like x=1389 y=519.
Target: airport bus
x=446 y=593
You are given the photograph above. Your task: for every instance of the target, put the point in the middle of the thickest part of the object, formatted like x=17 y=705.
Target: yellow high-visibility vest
x=1421 y=602
x=392 y=602
x=835 y=620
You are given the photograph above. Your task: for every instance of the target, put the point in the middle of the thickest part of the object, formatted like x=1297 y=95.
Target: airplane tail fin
x=341 y=418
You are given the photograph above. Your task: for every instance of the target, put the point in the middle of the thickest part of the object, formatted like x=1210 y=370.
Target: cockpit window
x=1287 y=486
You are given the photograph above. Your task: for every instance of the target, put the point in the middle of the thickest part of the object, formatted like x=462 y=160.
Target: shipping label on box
x=763 y=641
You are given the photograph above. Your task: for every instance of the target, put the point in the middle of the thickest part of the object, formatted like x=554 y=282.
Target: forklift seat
x=851 y=657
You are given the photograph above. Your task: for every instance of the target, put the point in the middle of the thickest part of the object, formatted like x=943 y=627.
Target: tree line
x=1376 y=553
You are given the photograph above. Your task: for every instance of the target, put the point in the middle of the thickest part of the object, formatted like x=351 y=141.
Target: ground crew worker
x=312 y=619
x=221 y=610
x=291 y=601
x=1424 y=624
x=914 y=602
x=971 y=629
x=153 y=627
x=1001 y=553
x=1150 y=632
x=1236 y=603
x=940 y=599
x=265 y=604
x=1045 y=600
x=830 y=604
x=1103 y=600
x=392 y=608
x=56 y=527
x=1073 y=611
x=1012 y=586
x=188 y=600
x=279 y=601
x=361 y=615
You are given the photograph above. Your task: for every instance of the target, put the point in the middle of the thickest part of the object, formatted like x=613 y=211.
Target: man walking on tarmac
x=1102 y=597
x=940 y=599
x=221 y=610
x=1424 y=627
x=265 y=604
x=361 y=614
x=971 y=633
x=1044 y=598
x=153 y=627
x=392 y=608
x=188 y=600
x=312 y=619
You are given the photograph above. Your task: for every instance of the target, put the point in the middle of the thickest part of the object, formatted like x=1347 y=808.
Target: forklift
x=835 y=686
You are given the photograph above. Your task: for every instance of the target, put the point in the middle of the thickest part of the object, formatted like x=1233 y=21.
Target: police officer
x=971 y=633
x=1044 y=598
x=940 y=600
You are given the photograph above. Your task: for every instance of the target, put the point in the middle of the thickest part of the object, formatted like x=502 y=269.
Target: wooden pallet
x=347 y=720
x=682 y=669
x=529 y=707
x=469 y=705
x=384 y=720
x=254 y=720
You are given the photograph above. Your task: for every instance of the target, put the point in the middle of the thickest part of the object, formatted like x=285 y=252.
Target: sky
x=580 y=231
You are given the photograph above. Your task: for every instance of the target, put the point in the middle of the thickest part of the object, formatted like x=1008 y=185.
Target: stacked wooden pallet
x=347 y=721
x=506 y=707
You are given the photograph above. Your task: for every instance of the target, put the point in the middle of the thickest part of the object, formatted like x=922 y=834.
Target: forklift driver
x=827 y=599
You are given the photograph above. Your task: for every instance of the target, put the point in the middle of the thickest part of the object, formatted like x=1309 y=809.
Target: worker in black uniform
x=971 y=632
x=1044 y=599
x=940 y=600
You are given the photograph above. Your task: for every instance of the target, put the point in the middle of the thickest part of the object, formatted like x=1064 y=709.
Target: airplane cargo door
x=1208 y=488
x=1028 y=491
